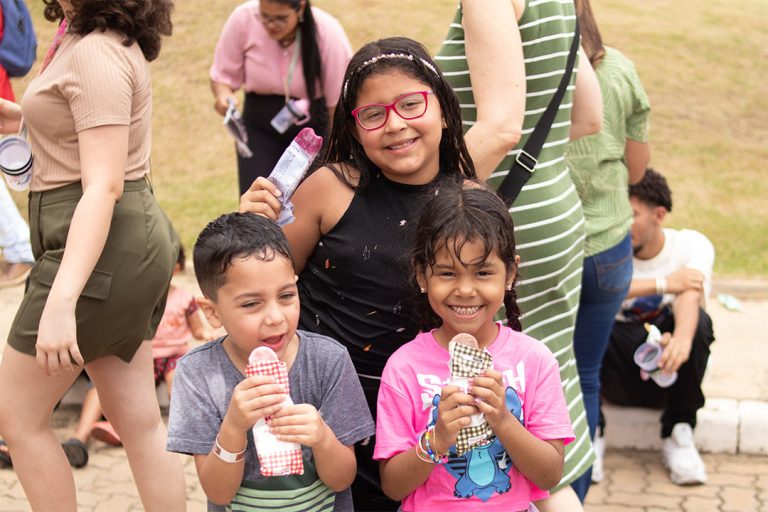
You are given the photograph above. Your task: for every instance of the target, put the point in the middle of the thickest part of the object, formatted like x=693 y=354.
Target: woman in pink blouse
x=284 y=54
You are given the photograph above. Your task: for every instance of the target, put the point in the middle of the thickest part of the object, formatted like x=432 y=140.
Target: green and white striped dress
x=549 y=225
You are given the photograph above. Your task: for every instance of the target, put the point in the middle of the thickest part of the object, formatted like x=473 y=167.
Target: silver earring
x=301 y=17
x=423 y=290
x=509 y=287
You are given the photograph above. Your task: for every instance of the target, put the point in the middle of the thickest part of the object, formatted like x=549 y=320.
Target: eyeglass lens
x=410 y=106
x=273 y=20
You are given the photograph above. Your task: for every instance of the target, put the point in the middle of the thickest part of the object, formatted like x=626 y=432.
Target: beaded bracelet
x=437 y=458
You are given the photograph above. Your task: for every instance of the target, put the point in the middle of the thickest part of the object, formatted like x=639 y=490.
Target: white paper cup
x=16 y=162
x=647 y=358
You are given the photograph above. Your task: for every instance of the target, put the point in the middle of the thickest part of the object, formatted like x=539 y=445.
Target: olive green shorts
x=124 y=299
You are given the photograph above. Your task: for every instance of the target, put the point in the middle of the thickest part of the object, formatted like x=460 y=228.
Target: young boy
x=244 y=268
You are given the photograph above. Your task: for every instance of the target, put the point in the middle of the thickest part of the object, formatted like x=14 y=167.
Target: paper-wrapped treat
x=276 y=457
x=466 y=362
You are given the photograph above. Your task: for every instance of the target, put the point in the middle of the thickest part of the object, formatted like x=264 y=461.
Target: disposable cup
x=16 y=162
x=647 y=358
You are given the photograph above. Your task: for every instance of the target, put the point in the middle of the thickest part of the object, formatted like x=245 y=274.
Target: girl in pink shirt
x=280 y=52
x=465 y=267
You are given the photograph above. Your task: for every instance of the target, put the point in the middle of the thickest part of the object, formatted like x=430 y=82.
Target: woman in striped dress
x=549 y=225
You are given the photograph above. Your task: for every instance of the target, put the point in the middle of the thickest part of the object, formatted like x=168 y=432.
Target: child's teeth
x=404 y=144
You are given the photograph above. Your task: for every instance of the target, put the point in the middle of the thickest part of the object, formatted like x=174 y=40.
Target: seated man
x=671 y=278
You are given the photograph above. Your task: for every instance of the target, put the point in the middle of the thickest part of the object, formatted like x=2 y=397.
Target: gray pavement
x=105 y=484
x=635 y=480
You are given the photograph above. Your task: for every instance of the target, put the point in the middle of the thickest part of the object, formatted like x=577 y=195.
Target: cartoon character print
x=484 y=470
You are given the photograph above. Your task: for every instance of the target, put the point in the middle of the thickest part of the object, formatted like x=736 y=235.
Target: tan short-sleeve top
x=94 y=80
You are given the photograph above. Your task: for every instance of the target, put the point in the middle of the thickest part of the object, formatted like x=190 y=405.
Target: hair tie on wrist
x=420 y=452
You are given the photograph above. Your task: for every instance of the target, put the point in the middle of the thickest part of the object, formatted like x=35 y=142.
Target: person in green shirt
x=602 y=166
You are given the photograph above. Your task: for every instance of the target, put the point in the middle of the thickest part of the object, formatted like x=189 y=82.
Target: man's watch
x=224 y=455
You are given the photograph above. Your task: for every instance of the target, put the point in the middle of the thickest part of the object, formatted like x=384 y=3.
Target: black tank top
x=355 y=284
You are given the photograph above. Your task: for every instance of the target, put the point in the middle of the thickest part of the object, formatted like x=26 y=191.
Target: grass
x=703 y=65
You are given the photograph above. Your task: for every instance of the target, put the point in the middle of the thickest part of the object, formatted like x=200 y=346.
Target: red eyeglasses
x=409 y=106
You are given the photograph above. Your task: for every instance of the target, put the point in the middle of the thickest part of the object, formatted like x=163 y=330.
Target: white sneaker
x=681 y=457
x=597 y=468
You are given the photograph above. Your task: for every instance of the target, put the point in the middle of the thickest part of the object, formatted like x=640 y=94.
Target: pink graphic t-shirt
x=485 y=476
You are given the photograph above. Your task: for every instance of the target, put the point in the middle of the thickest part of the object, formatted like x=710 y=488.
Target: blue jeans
x=604 y=285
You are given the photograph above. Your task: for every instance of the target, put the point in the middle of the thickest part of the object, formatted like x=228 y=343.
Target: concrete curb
x=723 y=426
x=741 y=288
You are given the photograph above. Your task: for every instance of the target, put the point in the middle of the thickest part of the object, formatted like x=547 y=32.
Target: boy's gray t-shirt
x=321 y=375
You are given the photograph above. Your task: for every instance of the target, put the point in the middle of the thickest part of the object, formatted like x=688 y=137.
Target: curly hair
x=140 y=21
x=457 y=214
x=652 y=190
x=343 y=145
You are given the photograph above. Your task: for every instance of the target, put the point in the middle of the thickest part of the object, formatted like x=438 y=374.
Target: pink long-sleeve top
x=246 y=57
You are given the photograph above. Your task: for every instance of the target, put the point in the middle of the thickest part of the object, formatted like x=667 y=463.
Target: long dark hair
x=311 y=64
x=342 y=144
x=590 y=34
x=457 y=214
x=142 y=21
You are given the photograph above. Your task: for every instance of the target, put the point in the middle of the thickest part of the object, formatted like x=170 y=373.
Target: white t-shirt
x=682 y=249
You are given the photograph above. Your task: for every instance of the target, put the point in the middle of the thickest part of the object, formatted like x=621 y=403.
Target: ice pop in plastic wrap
x=465 y=339
x=466 y=362
x=276 y=457
x=292 y=166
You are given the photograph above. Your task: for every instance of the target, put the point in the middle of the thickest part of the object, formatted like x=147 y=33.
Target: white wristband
x=228 y=457
x=661 y=285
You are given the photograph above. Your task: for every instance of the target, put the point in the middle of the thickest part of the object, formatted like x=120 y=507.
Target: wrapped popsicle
x=467 y=361
x=291 y=167
x=276 y=457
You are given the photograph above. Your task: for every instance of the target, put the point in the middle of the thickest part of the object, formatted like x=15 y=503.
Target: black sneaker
x=77 y=453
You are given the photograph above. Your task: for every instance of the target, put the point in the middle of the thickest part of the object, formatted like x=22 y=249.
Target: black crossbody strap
x=526 y=160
